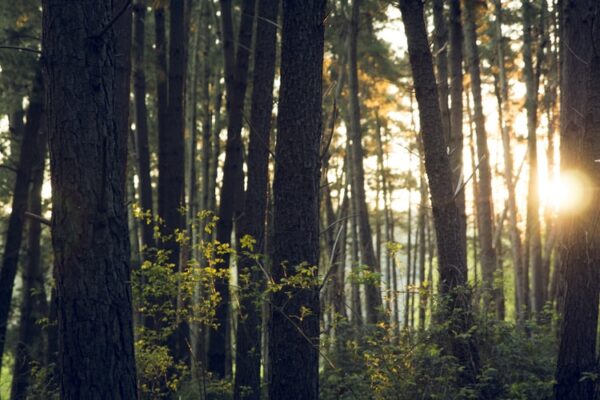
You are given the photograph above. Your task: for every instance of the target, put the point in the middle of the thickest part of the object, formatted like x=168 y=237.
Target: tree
x=252 y=221
x=294 y=325
x=141 y=119
x=30 y=347
x=87 y=66
x=456 y=307
x=374 y=306
x=232 y=188
x=484 y=202
x=579 y=253
x=16 y=222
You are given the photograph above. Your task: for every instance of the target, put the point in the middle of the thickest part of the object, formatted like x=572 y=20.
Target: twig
x=38 y=218
x=26 y=49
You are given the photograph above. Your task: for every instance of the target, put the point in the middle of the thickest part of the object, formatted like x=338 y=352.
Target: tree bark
x=580 y=146
x=515 y=236
x=456 y=307
x=294 y=326
x=232 y=189
x=456 y=115
x=141 y=121
x=252 y=221
x=16 y=221
x=484 y=202
x=87 y=113
x=30 y=347
x=374 y=305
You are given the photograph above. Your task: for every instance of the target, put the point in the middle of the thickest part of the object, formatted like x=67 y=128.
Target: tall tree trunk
x=357 y=315
x=374 y=305
x=515 y=236
x=30 y=347
x=294 y=333
x=409 y=248
x=440 y=43
x=531 y=104
x=456 y=309
x=87 y=128
x=484 y=202
x=232 y=189
x=456 y=116
x=16 y=221
x=141 y=121
x=252 y=221
x=423 y=294
x=580 y=146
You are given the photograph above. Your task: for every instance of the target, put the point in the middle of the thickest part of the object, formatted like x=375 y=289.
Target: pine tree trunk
x=30 y=346
x=232 y=189
x=252 y=221
x=440 y=42
x=87 y=128
x=484 y=201
x=515 y=236
x=293 y=347
x=16 y=221
x=374 y=305
x=456 y=115
x=580 y=146
x=141 y=121
x=456 y=308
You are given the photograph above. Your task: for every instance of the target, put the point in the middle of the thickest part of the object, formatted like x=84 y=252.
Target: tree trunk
x=252 y=221
x=30 y=347
x=87 y=109
x=456 y=309
x=232 y=189
x=141 y=122
x=580 y=146
x=533 y=217
x=515 y=236
x=294 y=330
x=440 y=44
x=484 y=202
x=456 y=116
x=422 y=244
x=16 y=221
x=374 y=305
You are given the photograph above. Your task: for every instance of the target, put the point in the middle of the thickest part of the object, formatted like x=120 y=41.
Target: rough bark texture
x=87 y=70
x=456 y=115
x=440 y=42
x=30 y=347
x=294 y=333
x=580 y=233
x=252 y=221
x=453 y=272
x=16 y=221
x=171 y=186
x=232 y=189
x=484 y=201
x=374 y=305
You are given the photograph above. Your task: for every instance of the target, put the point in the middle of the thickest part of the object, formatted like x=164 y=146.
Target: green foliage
x=165 y=296
x=6 y=375
x=384 y=362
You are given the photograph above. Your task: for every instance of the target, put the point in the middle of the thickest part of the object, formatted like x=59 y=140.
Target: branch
x=38 y=218
x=25 y=49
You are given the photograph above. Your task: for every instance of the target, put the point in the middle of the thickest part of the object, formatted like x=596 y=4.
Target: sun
x=570 y=193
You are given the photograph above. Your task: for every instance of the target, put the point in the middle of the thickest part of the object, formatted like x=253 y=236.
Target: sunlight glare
x=570 y=193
